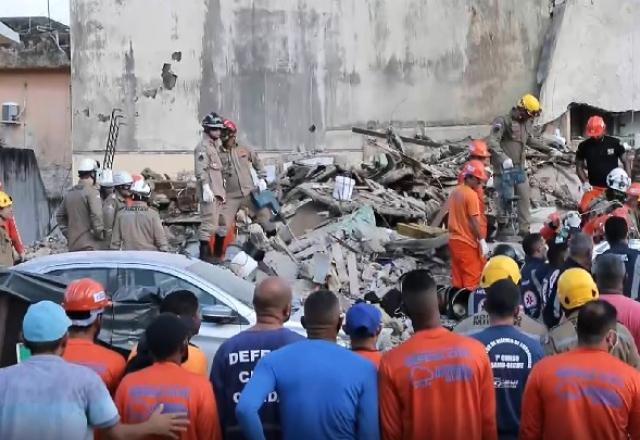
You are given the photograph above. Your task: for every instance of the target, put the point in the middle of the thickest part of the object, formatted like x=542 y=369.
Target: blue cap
x=45 y=321
x=362 y=320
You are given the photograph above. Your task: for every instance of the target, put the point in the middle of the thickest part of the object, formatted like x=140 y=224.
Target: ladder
x=112 y=138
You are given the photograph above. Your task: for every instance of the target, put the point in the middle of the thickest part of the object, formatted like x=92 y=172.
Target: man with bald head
x=325 y=390
x=236 y=358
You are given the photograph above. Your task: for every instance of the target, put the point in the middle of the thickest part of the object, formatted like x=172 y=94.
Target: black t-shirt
x=602 y=156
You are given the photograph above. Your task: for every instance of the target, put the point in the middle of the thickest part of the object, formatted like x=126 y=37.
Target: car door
x=211 y=334
x=105 y=275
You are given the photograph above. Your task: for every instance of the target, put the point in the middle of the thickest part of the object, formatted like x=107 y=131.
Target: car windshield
x=240 y=289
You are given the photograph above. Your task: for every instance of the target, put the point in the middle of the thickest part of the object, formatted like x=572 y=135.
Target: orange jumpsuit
x=587 y=197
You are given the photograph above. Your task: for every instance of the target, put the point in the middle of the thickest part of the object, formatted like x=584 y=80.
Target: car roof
x=143 y=257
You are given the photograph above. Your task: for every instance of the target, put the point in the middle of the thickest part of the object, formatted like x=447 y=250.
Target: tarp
x=591 y=56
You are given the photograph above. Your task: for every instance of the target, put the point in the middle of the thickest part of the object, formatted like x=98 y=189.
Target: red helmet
x=475 y=168
x=595 y=127
x=85 y=295
x=230 y=126
x=478 y=148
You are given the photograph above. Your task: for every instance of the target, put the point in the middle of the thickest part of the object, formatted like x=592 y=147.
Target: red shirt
x=437 y=385
x=373 y=355
x=581 y=394
x=108 y=364
x=628 y=313
x=14 y=235
x=178 y=390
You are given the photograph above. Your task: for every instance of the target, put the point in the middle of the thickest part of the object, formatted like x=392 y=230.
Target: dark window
x=103 y=275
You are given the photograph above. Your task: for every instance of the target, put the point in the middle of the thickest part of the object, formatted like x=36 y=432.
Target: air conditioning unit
x=10 y=113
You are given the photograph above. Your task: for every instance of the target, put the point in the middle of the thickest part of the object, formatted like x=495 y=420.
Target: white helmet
x=122 y=178
x=141 y=188
x=87 y=165
x=619 y=180
x=105 y=178
x=572 y=220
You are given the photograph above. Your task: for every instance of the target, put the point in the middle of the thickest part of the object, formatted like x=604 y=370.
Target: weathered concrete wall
x=45 y=123
x=279 y=66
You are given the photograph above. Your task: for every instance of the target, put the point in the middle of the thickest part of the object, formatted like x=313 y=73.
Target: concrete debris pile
x=54 y=243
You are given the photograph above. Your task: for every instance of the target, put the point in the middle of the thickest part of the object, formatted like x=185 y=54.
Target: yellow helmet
x=576 y=288
x=531 y=104
x=5 y=200
x=498 y=268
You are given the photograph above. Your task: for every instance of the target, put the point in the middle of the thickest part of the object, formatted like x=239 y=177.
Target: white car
x=225 y=299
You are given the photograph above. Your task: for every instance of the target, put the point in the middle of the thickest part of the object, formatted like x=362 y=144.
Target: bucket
x=343 y=188
x=243 y=265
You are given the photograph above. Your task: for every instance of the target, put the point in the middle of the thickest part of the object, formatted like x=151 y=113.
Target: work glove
x=507 y=164
x=207 y=194
x=586 y=187
x=484 y=248
x=262 y=185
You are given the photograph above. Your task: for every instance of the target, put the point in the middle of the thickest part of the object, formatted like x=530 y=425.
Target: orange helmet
x=475 y=168
x=634 y=189
x=595 y=127
x=85 y=295
x=478 y=148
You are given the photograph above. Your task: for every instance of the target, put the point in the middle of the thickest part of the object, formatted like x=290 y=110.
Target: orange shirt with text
x=438 y=385
x=581 y=394
x=373 y=355
x=463 y=205
x=107 y=363
x=178 y=390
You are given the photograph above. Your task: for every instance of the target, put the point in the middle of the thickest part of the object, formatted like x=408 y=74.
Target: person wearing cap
x=616 y=232
x=237 y=357
x=437 y=384
x=576 y=288
x=363 y=324
x=325 y=391
x=512 y=354
x=80 y=214
x=467 y=245
x=596 y=157
x=138 y=227
x=498 y=268
x=116 y=202
x=533 y=272
x=46 y=397
x=85 y=301
x=6 y=244
x=165 y=382
x=184 y=304
x=584 y=393
x=12 y=230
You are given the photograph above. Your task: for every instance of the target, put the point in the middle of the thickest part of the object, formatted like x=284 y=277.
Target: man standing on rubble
x=509 y=137
x=437 y=384
x=234 y=361
x=208 y=171
x=80 y=214
x=596 y=157
x=116 y=202
x=467 y=244
x=138 y=227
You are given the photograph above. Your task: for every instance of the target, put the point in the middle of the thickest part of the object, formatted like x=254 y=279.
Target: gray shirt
x=46 y=397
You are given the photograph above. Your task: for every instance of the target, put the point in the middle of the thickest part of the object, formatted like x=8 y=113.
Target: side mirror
x=219 y=314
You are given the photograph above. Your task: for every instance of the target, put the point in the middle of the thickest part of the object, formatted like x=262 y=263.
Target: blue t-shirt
x=232 y=368
x=512 y=354
x=46 y=397
x=325 y=392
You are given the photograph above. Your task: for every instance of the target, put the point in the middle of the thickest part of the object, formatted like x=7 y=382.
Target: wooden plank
x=338 y=257
x=354 y=276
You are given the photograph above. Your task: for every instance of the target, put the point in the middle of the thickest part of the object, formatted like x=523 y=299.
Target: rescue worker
x=508 y=251
x=12 y=229
x=138 y=227
x=616 y=233
x=467 y=245
x=500 y=268
x=497 y=268
x=575 y=289
x=585 y=393
x=84 y=302
x=208 y=171
x=6 y=246
x=510 y=134
x=533 y=272
x=634 y=205
x=512 y=354
x=105 y=182
x=238 y=162
x=596 y=157
x=580 y=255
x=116 y=202
x=80 y=214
